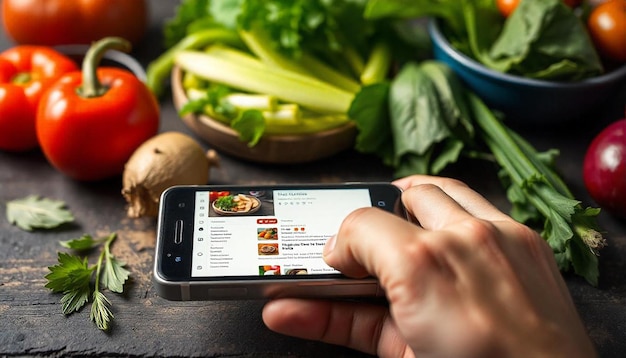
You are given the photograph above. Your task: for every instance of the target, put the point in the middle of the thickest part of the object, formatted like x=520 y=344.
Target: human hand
x=469 y=282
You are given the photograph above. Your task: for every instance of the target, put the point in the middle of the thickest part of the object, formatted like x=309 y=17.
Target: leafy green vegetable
x=225 y=203
x=313 y=55
x=188 y=12
x=370 y=111
x=569 y=228
x=542 y=39
x=408 y=126
x=85 y=242
x=34 y=212
x=73 y=278
x=435 y=120
x=250 y=125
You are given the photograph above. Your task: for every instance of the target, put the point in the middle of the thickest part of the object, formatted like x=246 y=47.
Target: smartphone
x=252 y=242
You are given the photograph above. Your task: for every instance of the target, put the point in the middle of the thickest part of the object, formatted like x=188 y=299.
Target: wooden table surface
x=31 y=321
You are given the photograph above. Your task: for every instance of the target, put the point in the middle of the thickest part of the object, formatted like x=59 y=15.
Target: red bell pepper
x=89 y=123
x=25 y=73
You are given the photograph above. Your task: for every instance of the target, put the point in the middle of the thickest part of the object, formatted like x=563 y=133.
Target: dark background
x=31 y=322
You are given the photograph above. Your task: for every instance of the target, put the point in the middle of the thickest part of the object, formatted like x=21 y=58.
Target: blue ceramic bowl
x=525 y=100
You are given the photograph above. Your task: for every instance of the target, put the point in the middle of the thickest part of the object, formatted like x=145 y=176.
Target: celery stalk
x=253 y=101
x=354 y=60
x=284 y=114
x=159 y=69
x=258 y=42
x=194 y=94
x=260 y=78
x=329 y=74
x=377 y=64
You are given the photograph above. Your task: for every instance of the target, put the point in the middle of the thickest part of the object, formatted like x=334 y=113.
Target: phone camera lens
x=382 y=203
x=178 y=259
x=181 y=205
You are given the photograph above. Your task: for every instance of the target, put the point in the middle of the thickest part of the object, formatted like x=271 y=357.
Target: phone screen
x=269 y=232
x=220 y=233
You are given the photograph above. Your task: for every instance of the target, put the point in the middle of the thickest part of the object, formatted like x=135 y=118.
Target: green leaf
x=74 y=299
x=186 y=13
x=226 y=11
x=71 y=272
x=100 y=312
x=417 y=119
x=250 y=125
x=450 y=152
x=545 y=39
x=450 y=10
x=114 y=274
x=584 y=261
x=33 y=212
x=370 y=111
x=85 y=242
x=430 y=119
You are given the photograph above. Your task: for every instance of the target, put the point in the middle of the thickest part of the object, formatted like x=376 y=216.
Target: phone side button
x=227 y=292
x=178 y=232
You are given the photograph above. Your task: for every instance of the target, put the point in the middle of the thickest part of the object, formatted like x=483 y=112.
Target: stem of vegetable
x=257 y=77
x=258 y=41
x=252 y=101
x=352 y=57
x=377 y=65
x=569 y=228
x=105 y=253
x=159 y=69
x=91 y=86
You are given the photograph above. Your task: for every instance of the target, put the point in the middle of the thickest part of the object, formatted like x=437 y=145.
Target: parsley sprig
x=34 y=212
x=78 y=282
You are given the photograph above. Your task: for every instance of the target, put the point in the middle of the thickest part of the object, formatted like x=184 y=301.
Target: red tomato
x=217 y=194
x=58 y=22
x=604 y=168
x=607 y=27
x=506 y=7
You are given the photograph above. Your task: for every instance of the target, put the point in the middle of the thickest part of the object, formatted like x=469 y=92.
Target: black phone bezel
x=173 y=260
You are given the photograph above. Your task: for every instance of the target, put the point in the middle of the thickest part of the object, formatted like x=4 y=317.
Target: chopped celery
x=377 y=65
x=252 y=101
x=284 y=114
x=254 y=76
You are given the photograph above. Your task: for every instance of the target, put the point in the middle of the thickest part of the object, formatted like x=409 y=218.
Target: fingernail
x=330 y=245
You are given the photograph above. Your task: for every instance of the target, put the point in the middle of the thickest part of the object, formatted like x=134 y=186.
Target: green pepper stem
x=91 y=86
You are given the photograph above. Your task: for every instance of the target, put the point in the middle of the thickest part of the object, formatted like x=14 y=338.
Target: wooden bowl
x=275 y=149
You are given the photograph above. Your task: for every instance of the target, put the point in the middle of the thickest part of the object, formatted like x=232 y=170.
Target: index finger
x=356 y=249
x=466 y=197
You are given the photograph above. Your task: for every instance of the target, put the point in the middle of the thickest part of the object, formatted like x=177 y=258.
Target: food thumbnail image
x=269 y=270
x=268 y=249
x=267 y=233
x=238 y=204
x=297 y=271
